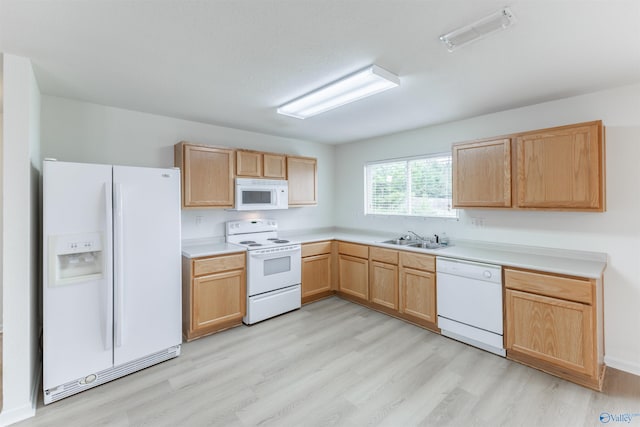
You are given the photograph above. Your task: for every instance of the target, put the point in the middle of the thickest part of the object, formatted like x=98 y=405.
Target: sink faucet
x=417 y=236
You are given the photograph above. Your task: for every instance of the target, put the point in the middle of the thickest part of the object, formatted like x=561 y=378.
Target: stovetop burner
x=277 y=240
x=255 y=234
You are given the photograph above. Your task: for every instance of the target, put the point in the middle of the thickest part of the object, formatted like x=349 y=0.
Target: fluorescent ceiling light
x=358 y=85
x=498 y=21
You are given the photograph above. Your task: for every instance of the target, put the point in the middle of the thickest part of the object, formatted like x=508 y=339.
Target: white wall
x=83 y=132
x=616 y=232
x=20 y=238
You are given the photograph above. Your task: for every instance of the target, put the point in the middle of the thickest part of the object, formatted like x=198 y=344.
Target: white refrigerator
x=111 y=273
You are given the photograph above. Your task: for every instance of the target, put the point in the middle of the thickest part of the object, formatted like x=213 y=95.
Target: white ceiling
x=232 y=62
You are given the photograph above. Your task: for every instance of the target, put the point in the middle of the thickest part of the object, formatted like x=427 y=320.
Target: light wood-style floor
x=337 y=363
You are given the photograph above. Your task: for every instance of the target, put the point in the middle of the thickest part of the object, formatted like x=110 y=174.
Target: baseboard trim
x=26 y=411
x=622 y=365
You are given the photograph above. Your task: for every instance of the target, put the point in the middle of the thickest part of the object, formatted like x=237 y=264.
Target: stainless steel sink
x=401 y=242
x=414 y=243
x=427 y=245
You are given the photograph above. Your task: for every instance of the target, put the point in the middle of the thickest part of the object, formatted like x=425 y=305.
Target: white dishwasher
x=469 y=296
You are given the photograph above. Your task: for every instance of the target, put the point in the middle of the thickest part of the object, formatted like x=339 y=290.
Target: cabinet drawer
x=418 y=261
x=217 y=264
x=572 y=289
x=319 y=248
x=353 y=249
x=383 y=255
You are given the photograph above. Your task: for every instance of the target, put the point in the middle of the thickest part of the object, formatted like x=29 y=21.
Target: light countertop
x=551 y=260
x=195 y=249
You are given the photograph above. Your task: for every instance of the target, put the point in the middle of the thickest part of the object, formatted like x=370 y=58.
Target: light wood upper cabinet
x=274 y=166
x=249 y=163
x=562 y=168
x=213 y=294
x=207 y=175
x=482 y=174
x=255 y=164
x=554 y=323
x=302 y=174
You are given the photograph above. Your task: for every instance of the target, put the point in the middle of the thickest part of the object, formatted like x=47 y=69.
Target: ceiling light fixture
x=358 y=85
x=498 y=21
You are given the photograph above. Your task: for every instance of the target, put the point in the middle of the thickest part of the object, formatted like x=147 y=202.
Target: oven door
x=273 y=268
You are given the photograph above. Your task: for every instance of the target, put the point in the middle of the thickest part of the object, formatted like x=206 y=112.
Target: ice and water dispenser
x=75 y=258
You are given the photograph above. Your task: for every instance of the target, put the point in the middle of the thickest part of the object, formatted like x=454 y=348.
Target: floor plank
x=335 y=363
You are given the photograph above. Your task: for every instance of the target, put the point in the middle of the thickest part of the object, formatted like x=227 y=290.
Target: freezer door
x=77 y=271
x=147 y=263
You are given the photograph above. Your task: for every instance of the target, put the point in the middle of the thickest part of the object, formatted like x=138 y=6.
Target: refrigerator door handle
x=118 y=231
x=108 y=315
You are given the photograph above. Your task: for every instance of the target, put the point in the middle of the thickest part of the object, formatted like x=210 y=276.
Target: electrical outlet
x=199 y=220
x=477 y=222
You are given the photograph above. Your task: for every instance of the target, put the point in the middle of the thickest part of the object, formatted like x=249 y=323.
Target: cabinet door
x=274 y=166
x=249 y=164
x=353 y=276
x=218 y=299
x=303 y=181
x=207 y=174
x=552 y=330
x=482 y=174
x=418 y=294
x=316 y=274
x=384 y=284
x=561 y=168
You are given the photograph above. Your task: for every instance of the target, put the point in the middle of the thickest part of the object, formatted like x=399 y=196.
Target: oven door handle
x=276 y=254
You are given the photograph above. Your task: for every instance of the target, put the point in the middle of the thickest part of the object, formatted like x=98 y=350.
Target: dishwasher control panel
x=472 y=270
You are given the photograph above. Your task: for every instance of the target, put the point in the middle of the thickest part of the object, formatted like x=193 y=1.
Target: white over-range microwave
x=261 y=194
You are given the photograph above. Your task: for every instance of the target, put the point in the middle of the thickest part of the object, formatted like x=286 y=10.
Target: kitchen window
x=416 y=186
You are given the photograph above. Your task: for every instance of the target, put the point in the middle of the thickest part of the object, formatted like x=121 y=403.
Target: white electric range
x=273 y=268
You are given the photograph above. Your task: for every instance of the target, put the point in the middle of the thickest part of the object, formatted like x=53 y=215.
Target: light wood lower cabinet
x=383 y=277
x=354 y=276
x=418 y=287
x=417 y=294
x=554 y=323
x=353 y=270
x=384 y=284
x=317 y=260
x=213 y=294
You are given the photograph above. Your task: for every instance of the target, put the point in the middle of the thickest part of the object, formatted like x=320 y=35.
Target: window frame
x=455 y=212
